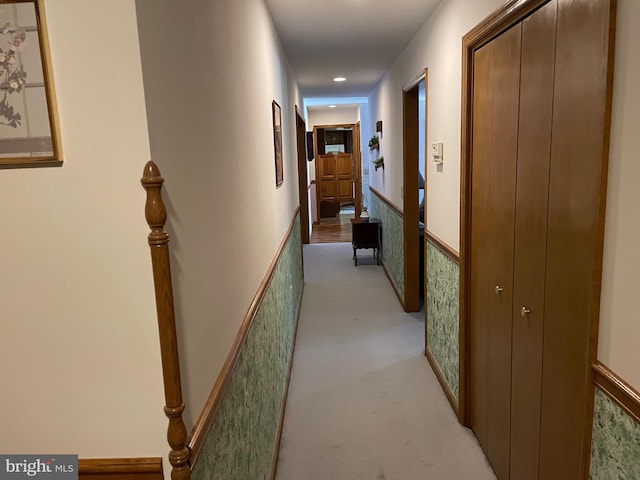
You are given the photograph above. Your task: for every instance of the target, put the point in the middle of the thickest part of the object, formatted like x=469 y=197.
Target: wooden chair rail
x=156 y=216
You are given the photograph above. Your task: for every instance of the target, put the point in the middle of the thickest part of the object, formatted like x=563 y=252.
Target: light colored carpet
x=348 y=210
x=363 y=402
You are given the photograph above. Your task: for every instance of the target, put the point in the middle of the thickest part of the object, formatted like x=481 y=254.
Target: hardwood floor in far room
x=334 y=233
x=330 y=231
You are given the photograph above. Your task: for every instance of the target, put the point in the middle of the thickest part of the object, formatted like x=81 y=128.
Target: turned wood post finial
x=156 y=215
x=155 y=211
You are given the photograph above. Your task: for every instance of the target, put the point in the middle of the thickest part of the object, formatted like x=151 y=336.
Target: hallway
x=363 y=402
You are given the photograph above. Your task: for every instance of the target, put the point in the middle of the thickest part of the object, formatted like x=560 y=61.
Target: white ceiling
x=357 y=39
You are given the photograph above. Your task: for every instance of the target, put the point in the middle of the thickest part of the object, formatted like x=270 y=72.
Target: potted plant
x=378 y=162
x=374 y=143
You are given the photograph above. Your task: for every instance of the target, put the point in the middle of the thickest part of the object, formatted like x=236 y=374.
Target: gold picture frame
x=29 y=127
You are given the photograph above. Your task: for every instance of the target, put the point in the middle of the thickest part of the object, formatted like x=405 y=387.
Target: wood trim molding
x=425 y=207
x=336 y=125
x=32 y=162
x=156 y=216
x=199 y=432
x=502 y=19
x=414 y=83
x=388 y=202
x=448 y=250
x=276 y=450
x=443 y=382
x=121 y=468
x=627 y=397
x=316 y=204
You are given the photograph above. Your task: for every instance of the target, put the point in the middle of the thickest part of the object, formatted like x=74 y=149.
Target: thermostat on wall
x=437 y=153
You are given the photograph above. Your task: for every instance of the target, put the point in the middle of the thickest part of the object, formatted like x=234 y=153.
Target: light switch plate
x=437 y=154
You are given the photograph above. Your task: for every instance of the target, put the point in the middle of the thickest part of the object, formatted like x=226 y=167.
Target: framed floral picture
x=29 y=133
x=277 y=141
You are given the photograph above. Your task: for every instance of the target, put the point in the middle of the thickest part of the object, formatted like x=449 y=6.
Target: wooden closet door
x=534 y=154
x=493 y=201
x=327 y=178
x=480 y=239
x=581 y=114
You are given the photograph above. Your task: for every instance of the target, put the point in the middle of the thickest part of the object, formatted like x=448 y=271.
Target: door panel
x=495 y=144
x=480 y=237
x=327 y=180
x=345 y=190
x=327 y=166
x=328 y=191
x=576 y=218
x=502 y=195
x=336 y=177
x=344 y=163
x=534 y=147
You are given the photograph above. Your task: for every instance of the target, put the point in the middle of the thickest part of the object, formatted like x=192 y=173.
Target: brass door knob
x=524 y=311
x=499 y=289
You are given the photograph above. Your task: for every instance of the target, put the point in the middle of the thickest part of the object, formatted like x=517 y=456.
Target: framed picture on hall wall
x=277 y=141
x=29 y=131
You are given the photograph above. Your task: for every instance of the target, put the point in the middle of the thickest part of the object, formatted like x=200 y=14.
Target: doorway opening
x=414 y=107
x=301 y=147
x=338 y=190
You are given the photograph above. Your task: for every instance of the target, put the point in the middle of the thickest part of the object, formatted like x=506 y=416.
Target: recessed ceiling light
x=339 y=79
x=332 y=106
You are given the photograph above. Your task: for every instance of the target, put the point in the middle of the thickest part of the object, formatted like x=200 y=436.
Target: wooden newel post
x=156 y=215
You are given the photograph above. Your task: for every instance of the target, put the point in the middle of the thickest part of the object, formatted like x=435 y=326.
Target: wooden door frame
x=357 y=174
x=410 y=140
x=303 y=188
x=426 y=175
x=356 y=156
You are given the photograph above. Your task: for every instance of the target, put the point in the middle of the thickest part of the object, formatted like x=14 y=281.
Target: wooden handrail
x=156 y=215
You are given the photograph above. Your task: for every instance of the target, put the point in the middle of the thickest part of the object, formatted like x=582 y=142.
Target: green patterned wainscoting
x=392 y=248
x=240 y=444
x=615 y=445
x=443 y=275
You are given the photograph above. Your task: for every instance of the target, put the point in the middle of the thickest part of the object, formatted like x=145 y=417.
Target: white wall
x=331 y=116
x=211 y=71
x=79 y=349
x=619 y=318
x=437 y=46
x=366 y=132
